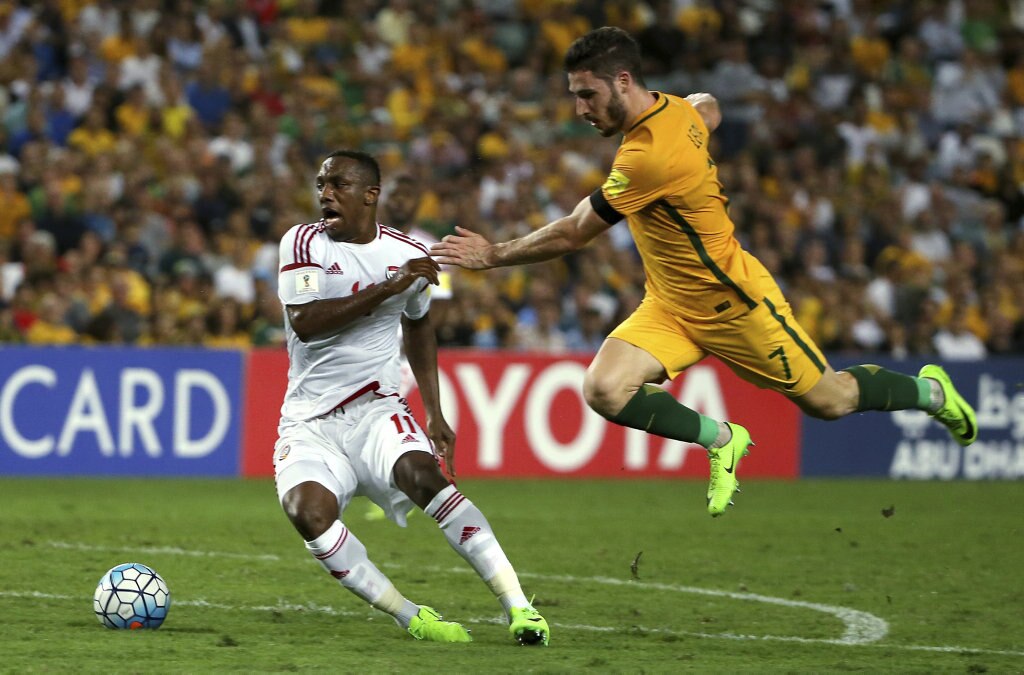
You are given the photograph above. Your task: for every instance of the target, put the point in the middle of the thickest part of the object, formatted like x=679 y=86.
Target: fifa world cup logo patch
x=306 y=282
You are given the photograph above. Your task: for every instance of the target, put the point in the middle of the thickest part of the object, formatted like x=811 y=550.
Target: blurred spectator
x=49 y=327
x=591 y=326
x=15 y=22
x=209 y=99
x=232 y=144
x=267 y=327
x=956 y=342
x=543 y=334
x=234 y=278
x=224 y=326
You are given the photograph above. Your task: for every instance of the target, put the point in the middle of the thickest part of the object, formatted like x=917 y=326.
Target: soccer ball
x=131 y=596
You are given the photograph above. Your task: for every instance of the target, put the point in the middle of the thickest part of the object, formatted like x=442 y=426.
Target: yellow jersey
x=666 y=185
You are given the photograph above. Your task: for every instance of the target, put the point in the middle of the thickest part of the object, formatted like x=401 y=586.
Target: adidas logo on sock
x=409 y=438
x=467 y=533
x=340 y=574
x=333 y=269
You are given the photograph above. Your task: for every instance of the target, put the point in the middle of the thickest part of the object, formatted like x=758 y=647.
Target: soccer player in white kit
x=346 y=283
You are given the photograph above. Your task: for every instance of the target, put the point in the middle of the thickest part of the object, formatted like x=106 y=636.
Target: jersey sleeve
x=646 y=172
x=633 y=183
x=300 y=276
x=419 y=301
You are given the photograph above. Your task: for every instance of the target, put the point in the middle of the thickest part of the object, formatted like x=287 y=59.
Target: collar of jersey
x=660 y=103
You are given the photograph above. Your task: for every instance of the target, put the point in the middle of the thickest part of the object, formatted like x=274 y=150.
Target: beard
x=616 y=115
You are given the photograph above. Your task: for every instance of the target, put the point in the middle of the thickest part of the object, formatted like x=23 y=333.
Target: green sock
x=882 y=389
x=654 y=410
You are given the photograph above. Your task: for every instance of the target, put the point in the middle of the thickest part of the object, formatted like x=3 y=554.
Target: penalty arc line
x=862 y=628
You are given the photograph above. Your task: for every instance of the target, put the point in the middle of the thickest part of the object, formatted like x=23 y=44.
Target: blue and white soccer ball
x=131 y=596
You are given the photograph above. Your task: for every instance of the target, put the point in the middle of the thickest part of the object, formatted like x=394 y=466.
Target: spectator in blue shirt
x=208 y=98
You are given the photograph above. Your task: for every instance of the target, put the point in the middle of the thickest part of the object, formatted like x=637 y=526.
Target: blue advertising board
x=119 y=411
x=909 y=444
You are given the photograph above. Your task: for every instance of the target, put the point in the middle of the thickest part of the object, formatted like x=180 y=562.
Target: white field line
x=332 y=611
x=862 y=628
x=160 y=550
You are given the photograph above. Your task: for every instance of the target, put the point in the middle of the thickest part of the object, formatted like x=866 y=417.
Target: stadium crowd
x=152 y=153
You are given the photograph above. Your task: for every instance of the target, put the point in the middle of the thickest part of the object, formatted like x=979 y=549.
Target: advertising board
x=113 y=411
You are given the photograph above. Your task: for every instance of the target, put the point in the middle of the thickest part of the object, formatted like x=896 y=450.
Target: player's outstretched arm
x=331 y=314
x=420 y=344
x=472 y=251
x=707 y=107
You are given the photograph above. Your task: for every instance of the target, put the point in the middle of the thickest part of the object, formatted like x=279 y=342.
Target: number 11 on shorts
x=399 y=420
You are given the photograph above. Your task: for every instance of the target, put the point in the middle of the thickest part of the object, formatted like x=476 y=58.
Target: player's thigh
x=384 y=433
x=648 y=346
x=301 y=455
x=767 y=347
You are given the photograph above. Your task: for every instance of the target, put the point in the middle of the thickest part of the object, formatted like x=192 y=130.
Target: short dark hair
x=368 y=166
x=606 y=52
x=406 y=178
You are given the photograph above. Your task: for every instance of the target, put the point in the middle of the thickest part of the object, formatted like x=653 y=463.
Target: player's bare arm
x=420 y=344
x=331 y=314
x=472 y=251
x=707 y=107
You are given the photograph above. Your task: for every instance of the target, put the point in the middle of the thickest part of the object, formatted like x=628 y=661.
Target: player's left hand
x=465 y=248
x=443 y=438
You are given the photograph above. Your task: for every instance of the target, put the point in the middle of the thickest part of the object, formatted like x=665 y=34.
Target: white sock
x=469 y=533
x=344 y=556
x=724 y=436
x=938 y=396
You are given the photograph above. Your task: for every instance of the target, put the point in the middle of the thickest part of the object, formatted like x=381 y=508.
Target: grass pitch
x=810 y=576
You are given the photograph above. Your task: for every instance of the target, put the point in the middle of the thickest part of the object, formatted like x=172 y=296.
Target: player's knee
x=826 y=407
x=824 y=410
x=418 y=476
x=605 y=395
x=833 y=397
x=310 y=513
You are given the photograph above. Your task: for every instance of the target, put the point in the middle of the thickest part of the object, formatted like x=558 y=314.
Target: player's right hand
x=465 y=248
x=443 y=439
x=417 y=268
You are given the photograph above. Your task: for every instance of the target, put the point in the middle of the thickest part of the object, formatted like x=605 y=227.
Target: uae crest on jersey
x=392 y=270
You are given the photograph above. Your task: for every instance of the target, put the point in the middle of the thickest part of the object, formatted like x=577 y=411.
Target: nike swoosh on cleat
x=967 y=421
x=728 y=469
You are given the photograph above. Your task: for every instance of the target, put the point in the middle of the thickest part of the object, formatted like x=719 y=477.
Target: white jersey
x=332 y=369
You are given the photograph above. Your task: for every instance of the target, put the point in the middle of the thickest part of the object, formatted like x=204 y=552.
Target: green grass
x=943 y=572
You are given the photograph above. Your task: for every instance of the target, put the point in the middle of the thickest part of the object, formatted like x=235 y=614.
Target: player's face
x=346 y=201
x=597 y=102
x=402 y=204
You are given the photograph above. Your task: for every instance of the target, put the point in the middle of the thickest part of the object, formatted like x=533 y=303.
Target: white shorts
x=352 y=452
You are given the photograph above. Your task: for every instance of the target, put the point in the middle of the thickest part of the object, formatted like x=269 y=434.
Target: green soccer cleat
x=724 y=462
x=528 y=627
x=956 y=414
x=428 y=625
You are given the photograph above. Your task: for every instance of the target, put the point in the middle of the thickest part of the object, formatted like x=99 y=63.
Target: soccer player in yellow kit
x=704 y=293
